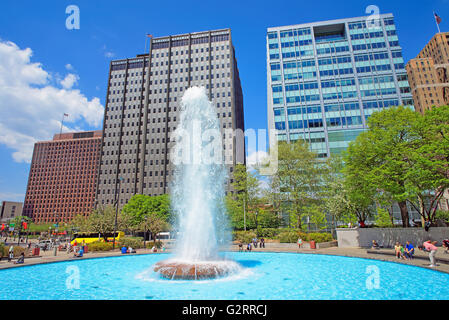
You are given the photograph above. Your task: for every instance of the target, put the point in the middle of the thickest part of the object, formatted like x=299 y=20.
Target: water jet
x=198 y=193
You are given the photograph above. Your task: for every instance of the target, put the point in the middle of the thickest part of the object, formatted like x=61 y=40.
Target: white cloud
x=69 y=67
x=109 y=54
x=10 y=196
x=256 y=158
x=69 y=81
x=31 y=107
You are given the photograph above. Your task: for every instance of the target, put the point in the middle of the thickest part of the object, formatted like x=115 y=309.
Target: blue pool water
x=266 y=276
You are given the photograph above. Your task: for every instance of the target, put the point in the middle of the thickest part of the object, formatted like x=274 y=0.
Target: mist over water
x=199 y=180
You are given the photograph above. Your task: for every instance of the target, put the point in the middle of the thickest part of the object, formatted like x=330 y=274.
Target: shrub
x=135 y=243
x=100 y=246
x=270 y=233
x=18 y=251
x=288 y=237
x=151 y=244
x=442 y=215
x=319 y=237
x=244 y=236
x=291 y=236
x=3 y=250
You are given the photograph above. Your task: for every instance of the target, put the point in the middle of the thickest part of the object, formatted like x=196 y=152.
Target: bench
x=392 y=253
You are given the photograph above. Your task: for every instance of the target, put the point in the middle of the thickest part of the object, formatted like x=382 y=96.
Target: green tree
x=379 y=156
x=336 y=201
x=154 y=224
x=317 y=217
x=101 y=220
x=80 y=223
x=383 y=218
x=244 y=205
x=268 y=218
x=299 y=178
x=141 y=206
x=428 y=167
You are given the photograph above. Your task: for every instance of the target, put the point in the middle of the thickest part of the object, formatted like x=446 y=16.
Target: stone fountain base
x=178 y=270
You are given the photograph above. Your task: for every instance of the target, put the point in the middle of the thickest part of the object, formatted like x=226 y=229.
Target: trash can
x=312 y=245
x=36 y=251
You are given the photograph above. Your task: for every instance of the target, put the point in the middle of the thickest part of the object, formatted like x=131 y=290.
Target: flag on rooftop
x=437 y=18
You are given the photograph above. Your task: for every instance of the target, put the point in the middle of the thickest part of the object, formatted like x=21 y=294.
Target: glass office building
x=325 y=79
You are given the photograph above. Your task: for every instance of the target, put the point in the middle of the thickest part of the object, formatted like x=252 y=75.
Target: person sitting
x=124 y=249
x=409 y=250
x=240 y=247
x=397 y=250
x=248 y=247
x=446 y=245
x=375 y=245
x=21 y=259
x=80 y=253
x=131 y=250
x=154 y=249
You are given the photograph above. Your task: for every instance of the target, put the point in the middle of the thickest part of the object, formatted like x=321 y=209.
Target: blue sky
x=73 y=64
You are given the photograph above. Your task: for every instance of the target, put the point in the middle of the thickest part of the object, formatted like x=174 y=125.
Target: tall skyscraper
x=142 y=110
x=63 y=177
x=325 y=79
x=429 y=74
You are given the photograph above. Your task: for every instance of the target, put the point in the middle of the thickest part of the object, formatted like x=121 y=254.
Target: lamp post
x=20 y=229
x=120 y=179
x=145 y=233
x=244 y=214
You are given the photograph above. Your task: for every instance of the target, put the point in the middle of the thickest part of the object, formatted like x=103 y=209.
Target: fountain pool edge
x=118 y=254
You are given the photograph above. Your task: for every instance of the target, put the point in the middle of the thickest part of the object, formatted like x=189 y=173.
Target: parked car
x=45 y=244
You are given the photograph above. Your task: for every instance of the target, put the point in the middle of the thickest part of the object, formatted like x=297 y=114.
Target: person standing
x=262 y=243
x=255 y=242
x=430 y=246
x=299 y=242
x=11 y=253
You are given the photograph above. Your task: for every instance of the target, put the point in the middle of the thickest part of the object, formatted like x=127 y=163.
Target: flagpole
x=436 y=21
x=146 y=38
x=62 y=122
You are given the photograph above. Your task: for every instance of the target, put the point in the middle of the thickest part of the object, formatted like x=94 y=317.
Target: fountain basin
x=202 y=270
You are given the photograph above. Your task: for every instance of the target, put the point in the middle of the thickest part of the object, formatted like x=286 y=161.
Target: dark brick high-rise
x=63 y=177
x=142 y=110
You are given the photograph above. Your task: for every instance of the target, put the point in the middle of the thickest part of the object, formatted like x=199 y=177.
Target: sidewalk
x=48 y=257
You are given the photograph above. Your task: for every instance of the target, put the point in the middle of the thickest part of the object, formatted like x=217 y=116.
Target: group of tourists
x=126 y=250
x=254 y=243
x=406 y=252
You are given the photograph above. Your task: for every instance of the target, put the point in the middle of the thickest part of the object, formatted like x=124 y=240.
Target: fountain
x=198 y=193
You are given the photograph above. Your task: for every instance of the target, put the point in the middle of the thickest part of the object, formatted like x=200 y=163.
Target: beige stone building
x=9 y=210
x=428 y=74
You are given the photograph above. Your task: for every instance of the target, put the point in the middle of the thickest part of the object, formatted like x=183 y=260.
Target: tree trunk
x=404 y=214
